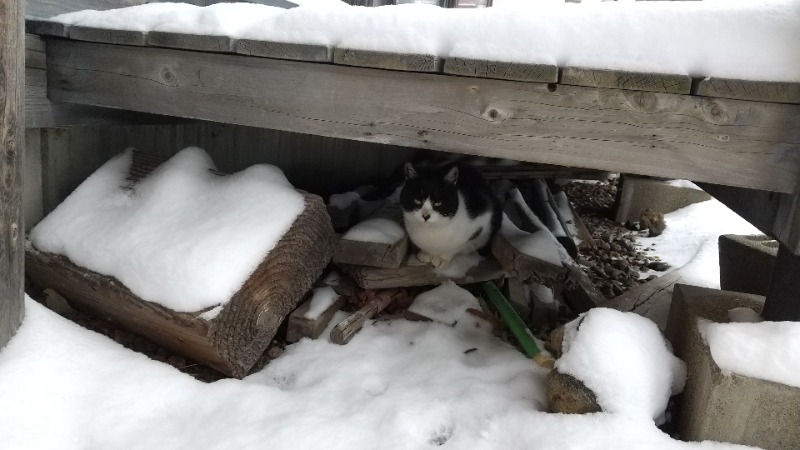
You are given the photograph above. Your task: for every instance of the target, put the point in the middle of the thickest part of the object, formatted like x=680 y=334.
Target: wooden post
x=783 y=297
x=12 y=79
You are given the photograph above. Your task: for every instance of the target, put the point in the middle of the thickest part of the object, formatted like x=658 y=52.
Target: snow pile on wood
x=624 y=360
x=765 y=350
x=742 y=39
x=182 y=237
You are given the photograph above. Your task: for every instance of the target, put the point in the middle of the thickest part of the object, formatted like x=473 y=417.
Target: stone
x=722 y=406
x=653 y=222
x=658 y=266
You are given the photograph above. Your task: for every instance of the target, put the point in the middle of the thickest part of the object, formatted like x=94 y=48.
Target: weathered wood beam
x=766 y=91
x=386 y=60
x=723 y=141
x=652 y=82
x=783 y=297
x=536 y=73
x=12 y=135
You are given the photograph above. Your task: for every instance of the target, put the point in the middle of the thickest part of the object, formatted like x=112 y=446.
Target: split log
x=409 y=275
x=234 y=339
x=373 y=254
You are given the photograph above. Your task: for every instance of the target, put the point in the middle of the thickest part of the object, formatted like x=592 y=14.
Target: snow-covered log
x=233 y=339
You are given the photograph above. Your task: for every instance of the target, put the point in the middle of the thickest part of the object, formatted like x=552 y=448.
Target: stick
x=346 y=329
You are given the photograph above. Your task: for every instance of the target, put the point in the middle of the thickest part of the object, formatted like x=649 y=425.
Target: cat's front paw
x=424 y=257
x=439 y=262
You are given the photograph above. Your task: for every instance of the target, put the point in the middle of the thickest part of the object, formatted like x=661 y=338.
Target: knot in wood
x=167 y=76
x=14 y=232
x=494 y=115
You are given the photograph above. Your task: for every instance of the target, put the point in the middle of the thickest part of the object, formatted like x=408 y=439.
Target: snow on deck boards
x=729 y=142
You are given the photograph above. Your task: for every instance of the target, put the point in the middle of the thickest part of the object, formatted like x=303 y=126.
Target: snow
x=445 y=303
x=321 y=300
x=742 y=39
x=396 y=385
x=690 y=241
x=177 y=238
x=624 y=360
x=377 y=230
x=764 y=350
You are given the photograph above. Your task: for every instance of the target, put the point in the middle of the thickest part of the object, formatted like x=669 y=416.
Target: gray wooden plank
x=730 y=142
x=12 y=135
x=764 y=91
x=384 y=60
x=651 y=82
x=787 y=222
x=32 y=199
x=34 y=52
x=185 y=41
x=539 y=73
x=49 y=8
x=45 y=27
x=285 y=50
x=121 y=37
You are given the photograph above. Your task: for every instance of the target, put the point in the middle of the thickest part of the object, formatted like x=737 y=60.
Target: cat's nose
x=426 y=216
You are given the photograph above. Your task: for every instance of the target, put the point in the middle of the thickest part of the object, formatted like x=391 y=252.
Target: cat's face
x=429 y=197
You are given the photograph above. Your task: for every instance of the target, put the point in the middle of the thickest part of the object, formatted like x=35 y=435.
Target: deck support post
x=12 y=79
x=783 y=297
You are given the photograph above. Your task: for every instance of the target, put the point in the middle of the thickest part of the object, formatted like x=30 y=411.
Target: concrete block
x=727 y=407
x=746 y=262
x=640 y=193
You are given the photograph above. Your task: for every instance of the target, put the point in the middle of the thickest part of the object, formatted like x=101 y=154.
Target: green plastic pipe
x=512 y=319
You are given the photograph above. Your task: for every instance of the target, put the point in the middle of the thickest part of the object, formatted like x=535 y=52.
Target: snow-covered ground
x=744 y=39
x=396 y=385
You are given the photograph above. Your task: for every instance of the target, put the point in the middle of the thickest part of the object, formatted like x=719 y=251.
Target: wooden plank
x=418 y=275
x=46 y=27
x=764 y=91
x=786 y=228
x=49 y=8
x=729 y=142
x=371 y=253
x=35 y=56
x=12 y=135
x=385 y=60
x=204 y=43
x=285 y=50
x=32 y=198
x=120 y=37
x=536 y=73
x=651 y=82
x=783 y=297
x=651 y=299
x=299 y=326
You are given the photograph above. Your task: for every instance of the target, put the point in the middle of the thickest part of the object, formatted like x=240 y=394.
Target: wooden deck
x=740 y=137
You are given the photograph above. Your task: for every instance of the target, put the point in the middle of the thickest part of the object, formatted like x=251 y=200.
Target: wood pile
x=233 y=340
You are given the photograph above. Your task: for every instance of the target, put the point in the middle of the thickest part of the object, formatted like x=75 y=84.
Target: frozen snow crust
x=182 y=237
x=742 y=39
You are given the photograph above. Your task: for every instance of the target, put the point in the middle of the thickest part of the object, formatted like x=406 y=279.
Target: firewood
x=234 y=339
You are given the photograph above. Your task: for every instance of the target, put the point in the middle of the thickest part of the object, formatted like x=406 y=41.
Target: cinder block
x=727 y=407
x=746 y=262
x=640 y=193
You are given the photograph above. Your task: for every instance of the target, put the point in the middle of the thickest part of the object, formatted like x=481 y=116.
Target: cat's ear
x=410 y=171
x=452 y=175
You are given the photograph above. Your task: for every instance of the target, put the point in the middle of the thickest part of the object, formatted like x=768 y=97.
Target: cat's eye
x=417 y=202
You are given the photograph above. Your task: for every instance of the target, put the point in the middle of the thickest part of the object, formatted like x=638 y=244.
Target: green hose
x=512 y=319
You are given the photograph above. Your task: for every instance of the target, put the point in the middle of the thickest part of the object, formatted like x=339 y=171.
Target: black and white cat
x=448 y=211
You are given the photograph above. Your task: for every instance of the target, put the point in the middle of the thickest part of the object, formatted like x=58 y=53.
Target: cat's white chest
x=449 y=236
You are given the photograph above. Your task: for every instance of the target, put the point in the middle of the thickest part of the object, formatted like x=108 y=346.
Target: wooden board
x=385 y=60
x=198 y=42
x=765 y=91
x=651 y=82
x=235 y=339
x=12 y=134
x=538 y=73
x=418 y=275
x=285 y=50
x=371 y=253
x=46 y=27
x=121 y=37
x=724 y=141
x=299 y=326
